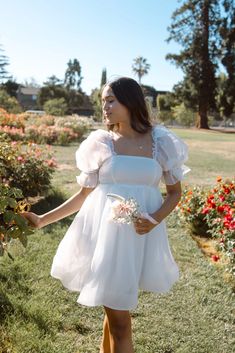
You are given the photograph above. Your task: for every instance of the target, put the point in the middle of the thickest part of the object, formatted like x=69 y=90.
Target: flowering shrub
x=12 y=224
x=44 y=129
x=211 y=213
x=12 y=120
x=26 y=167
x=79 y=124
x=50 y=134
x=47 y=120
x=14 y=133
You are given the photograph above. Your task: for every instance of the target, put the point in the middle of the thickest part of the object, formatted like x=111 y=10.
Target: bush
x=9 y=103
x=57 y=107
x=211 y=213
x=11 y=120
x=79 y=124
x=50 y=134
x=165 y=117
x=46 y=129
x=47 y=120
x=184 y=116
x=13 y=133
x=26 y=167
x=12 y=224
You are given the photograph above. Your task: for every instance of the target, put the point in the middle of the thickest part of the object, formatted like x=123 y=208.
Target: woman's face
x=113 y=111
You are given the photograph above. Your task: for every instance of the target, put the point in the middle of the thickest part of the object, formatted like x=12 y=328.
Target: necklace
x=138 y=145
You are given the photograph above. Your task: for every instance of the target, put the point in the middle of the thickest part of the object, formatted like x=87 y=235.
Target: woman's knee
x=119 y=323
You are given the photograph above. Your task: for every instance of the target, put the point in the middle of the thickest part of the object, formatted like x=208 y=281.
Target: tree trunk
x=204 y=90
x=202 y=118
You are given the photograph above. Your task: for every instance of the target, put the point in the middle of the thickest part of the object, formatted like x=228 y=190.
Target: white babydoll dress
x=109 y=262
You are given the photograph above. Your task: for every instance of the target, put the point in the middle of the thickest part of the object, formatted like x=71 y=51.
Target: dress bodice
x=99 y=163
x=123 y=169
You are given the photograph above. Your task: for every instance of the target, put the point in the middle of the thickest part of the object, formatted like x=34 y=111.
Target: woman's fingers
x=143 y=226
x=32 y=218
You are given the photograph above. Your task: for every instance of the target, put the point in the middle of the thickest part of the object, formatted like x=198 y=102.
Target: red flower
x=206 y=210
x=220 y=209
x=213 y=205
x=221 y=197
x=215 y=258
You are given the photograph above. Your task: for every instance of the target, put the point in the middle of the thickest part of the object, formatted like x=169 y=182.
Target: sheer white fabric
x=168 y=149
x=171 y=152
x=91 y=155
x=108 y=262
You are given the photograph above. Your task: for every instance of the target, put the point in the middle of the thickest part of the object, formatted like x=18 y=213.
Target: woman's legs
x=117 y=332
x=105 y=343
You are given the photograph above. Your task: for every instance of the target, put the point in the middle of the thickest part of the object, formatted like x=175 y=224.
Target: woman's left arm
x=143 y=226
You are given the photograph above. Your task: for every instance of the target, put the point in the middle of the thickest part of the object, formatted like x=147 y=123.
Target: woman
x=105 y=261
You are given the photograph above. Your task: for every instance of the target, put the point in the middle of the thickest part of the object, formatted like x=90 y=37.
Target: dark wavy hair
x=129 y=93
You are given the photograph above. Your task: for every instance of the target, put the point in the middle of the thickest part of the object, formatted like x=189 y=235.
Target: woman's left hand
x=143 y=226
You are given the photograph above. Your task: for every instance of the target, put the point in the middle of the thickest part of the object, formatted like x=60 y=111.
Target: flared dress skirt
x=108 y=262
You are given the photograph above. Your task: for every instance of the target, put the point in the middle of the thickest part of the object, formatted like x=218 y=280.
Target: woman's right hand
x=34 y=220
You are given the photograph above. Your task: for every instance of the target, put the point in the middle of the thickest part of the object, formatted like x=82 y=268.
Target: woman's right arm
x=72 y=205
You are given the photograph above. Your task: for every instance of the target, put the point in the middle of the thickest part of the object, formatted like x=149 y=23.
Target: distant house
x=27 y=97
x=86 y=108
x=151 y=94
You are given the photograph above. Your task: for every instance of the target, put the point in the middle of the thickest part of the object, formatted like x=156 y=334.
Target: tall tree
x=140 y=67
x=227 y=32
x=4 y=62
x=53 y=81
x=195 y=27
x=103 y=77
x=73 y=76
x=11 y=87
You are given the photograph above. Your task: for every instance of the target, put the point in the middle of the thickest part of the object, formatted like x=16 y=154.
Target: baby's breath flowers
x=127 y=210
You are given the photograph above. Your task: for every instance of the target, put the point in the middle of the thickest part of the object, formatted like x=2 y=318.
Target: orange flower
x=218 y=179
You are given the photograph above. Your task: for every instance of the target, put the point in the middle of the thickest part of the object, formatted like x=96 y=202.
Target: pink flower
x=20 y=159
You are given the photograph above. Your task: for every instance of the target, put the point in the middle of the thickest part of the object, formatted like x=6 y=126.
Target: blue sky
x=39 y=37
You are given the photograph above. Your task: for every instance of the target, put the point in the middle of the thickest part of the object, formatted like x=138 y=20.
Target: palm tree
x=140 y=67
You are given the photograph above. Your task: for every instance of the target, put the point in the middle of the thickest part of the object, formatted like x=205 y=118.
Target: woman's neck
x=126 y=130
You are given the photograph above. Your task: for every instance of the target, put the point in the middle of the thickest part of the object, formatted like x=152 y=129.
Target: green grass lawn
x=37 y=315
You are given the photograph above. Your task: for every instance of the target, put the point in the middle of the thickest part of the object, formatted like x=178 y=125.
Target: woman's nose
x=105 y=107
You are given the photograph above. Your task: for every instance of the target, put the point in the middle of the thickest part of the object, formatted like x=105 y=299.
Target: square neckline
x=114 y=153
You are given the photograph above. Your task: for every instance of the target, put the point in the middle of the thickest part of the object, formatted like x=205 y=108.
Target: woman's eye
x=111 y=101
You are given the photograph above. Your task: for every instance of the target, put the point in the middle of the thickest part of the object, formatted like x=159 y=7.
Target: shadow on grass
x=6 y=307
x=54 y=198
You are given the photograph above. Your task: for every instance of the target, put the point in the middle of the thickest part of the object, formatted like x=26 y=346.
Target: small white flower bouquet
x=127 y=210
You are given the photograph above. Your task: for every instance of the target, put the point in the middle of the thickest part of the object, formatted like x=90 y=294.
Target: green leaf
x=11 y=202
x=20 y=221
x=14 y=232
x=10 y=256
x=23 y=239
x=3 y=204
x=8 y=216
x=1 y=249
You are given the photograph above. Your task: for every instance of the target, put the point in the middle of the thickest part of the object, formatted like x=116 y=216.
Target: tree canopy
x=195 y=27
x=73 y=78
x=4 y=62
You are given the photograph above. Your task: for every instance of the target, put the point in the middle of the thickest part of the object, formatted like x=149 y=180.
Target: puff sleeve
x=91 y=154
x=171 y=153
